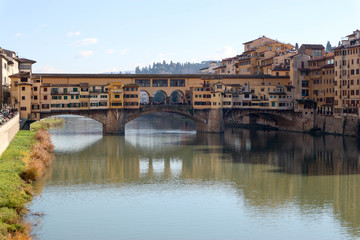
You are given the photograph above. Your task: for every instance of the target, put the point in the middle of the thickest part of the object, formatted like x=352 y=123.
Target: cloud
x=124 y=51
x=19 y=35
x=85 y=42
x=47 y=69
x=70 y=34
x=110 y=51
x=84 y=54
x=224 y=52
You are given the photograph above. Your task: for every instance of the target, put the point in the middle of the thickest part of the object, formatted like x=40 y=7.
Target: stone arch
x=177 y=97
x=97 y=115
x=184 y=113
x=160 y=97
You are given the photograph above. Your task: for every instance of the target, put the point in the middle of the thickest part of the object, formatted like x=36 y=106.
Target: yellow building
x=347 y=75
x=116 y=95
x=131 y=96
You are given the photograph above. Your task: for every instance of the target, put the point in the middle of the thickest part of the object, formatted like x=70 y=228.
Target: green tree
x=296 y=46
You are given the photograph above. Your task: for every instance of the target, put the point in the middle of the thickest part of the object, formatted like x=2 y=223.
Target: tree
x=328 y=47
x=137 y=70
x=296 y=46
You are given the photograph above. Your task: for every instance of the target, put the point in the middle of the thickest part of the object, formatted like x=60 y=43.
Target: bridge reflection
x=268 y=169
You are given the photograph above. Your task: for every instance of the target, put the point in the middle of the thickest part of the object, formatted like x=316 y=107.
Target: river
x=163 y=181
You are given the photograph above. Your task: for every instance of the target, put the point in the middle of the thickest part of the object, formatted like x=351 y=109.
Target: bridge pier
x=213 y=121
x=115 y=122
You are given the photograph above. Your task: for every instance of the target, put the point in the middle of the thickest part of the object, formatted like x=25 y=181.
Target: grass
x=25 y=160
x=47 y=123
x=14 y=191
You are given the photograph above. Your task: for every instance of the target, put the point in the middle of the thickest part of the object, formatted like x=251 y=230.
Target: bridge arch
x=160 y=97
x=168 y=109
x=97 y=115
x=268 y=118
x=145 y=97
x=177 y=97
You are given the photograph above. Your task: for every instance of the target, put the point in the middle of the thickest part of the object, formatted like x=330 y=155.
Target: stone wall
x=346 y=125
x=7 y=132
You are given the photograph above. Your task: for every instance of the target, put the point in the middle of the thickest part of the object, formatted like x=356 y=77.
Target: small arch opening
x=144 y=97
x=177 y=98
x=159 y=98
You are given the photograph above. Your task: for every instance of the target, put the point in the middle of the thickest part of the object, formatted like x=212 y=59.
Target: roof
x=21 y=74
x=204 y=68
x=354 y=33
x=262 y=37
x=220 y=67
x=151 y=76
x=312 y=46
x=230 y=58
x=25 y=60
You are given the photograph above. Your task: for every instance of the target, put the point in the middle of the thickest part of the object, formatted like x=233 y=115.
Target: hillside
x=172 y=68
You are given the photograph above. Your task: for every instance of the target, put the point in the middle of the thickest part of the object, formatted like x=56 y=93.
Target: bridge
x=207 y=120
x=212 y=101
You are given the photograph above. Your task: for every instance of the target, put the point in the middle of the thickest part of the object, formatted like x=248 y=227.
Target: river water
x=163 y=181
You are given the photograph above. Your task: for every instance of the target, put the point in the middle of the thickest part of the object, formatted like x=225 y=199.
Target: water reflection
x=272 y=173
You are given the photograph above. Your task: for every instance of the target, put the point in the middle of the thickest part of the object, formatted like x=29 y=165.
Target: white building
x=10 y=64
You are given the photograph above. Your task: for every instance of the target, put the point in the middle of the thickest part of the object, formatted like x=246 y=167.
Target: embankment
x=346 y=125
x=25 y=160
x=7 y=132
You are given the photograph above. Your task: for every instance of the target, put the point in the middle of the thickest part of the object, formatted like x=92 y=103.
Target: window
x=23 y=98
x=23 y=108
x=65 y=97
x=117 y=96
x=143 y=82
x=35 y=88
x=160 y=83
x=35 y=97
x=45 y=89
x=22 y=88
x=177 y=82
x=45 y=97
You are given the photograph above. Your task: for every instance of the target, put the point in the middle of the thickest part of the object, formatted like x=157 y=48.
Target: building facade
x=347 y=75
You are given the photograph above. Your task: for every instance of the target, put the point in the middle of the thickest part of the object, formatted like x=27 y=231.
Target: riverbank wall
x=301 y=121
x=345 y=125
x=8 y=132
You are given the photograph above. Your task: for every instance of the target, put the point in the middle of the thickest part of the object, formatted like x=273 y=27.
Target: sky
x=76 y=36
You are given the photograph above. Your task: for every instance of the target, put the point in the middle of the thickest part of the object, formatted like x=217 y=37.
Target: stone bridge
x=207 y=120
x=114 y=120
x=268 y=118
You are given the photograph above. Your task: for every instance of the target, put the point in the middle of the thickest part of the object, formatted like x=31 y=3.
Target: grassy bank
x=25 y=160
x=47 y=123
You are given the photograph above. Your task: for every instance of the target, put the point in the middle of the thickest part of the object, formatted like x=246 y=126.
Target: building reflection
x=269 y=170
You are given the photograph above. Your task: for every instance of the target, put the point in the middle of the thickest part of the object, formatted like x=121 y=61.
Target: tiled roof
x=25 y=60
x=312 y=46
